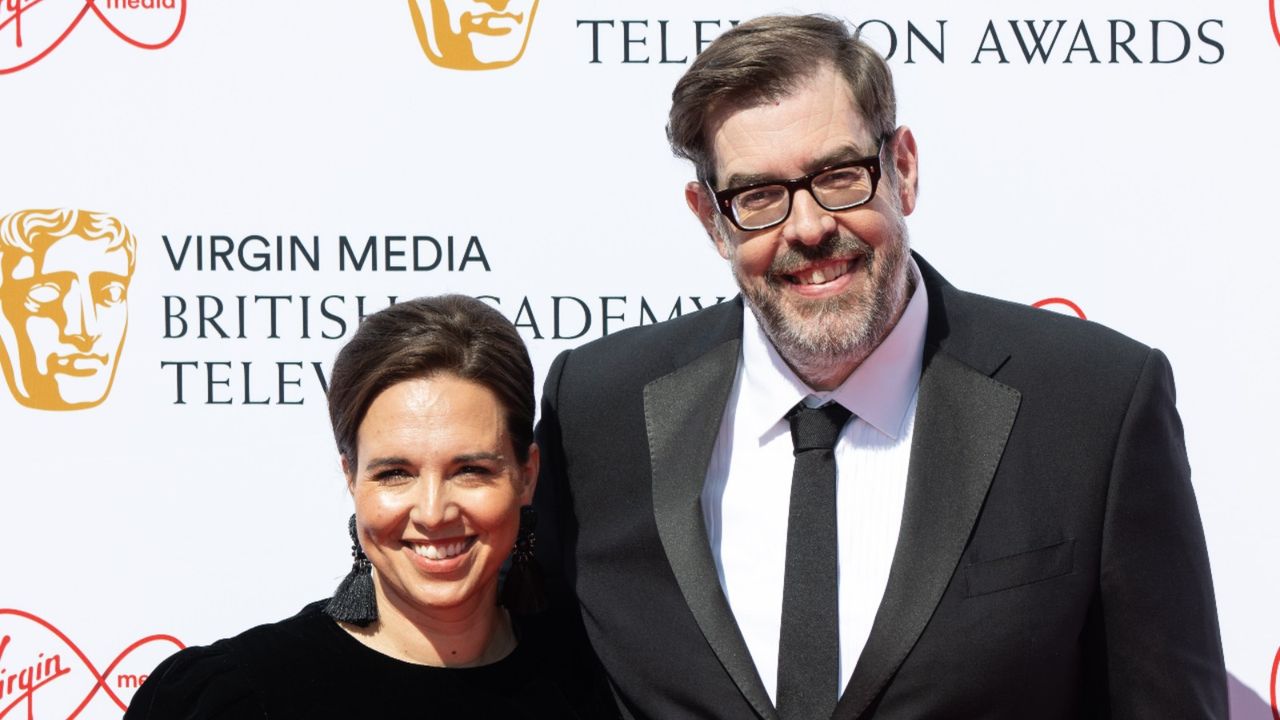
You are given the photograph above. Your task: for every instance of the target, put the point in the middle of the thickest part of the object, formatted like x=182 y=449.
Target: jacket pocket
x=1023 y=568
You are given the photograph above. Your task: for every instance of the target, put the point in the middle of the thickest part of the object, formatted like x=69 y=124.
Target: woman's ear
x=530 y=471
x=349 y=472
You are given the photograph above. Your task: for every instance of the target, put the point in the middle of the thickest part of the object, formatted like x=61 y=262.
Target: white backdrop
x=1142 y=191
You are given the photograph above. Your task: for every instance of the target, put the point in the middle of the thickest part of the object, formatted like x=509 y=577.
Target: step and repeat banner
x=200 y=200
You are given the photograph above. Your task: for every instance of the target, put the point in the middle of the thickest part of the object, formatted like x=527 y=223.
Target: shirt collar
x=879 y=390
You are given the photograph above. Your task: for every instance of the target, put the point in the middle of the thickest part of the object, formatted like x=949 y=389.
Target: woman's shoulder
x=234 y=677
x=198 y=683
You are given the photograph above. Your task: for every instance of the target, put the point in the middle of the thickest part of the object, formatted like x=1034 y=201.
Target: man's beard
x=817 y=336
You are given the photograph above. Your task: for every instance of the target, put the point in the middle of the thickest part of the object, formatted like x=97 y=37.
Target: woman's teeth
x=440 y=552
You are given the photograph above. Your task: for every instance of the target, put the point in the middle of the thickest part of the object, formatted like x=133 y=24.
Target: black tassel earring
x=523 y=591
x=354 y=601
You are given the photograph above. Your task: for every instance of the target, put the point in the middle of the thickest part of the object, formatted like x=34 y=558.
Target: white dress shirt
x=748 y=488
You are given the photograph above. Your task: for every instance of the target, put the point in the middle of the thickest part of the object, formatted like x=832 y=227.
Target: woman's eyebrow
x=472 y=457
x=385 y=462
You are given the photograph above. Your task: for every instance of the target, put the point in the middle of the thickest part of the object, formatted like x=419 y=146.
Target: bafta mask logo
x=473 y=34
x=64 y=282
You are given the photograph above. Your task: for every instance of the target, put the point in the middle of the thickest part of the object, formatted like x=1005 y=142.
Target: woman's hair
x=451 y=334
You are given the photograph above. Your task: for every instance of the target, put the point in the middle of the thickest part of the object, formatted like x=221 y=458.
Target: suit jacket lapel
x=682 y=415
x=963 y=419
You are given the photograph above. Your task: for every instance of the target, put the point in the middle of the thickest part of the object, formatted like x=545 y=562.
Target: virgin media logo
x=31 y=29
x=43 y=674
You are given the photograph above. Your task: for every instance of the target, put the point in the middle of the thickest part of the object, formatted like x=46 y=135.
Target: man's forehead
x=817 y=119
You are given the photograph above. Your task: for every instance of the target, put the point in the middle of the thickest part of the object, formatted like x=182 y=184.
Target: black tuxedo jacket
x=1050 y=564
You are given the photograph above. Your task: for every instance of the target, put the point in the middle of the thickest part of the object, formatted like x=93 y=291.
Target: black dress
x=308 y=667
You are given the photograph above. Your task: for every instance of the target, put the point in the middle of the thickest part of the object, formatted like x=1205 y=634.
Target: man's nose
x=809 y=222
x=80 y=318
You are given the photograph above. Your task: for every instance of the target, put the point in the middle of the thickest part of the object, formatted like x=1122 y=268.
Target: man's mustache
x=838 y=245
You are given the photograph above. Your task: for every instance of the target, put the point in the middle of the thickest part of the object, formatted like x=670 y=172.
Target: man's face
x=471 y=34
x=826 y=286
x=67 y=308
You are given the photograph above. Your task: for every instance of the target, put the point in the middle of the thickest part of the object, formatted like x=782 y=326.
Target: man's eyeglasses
x=837 y=187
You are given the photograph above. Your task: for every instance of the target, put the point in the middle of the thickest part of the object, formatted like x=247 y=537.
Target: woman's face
x=438 y=491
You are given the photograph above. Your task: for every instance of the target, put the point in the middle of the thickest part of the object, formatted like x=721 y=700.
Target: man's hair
x=25 y=232
x=766 y=59
x=446 y=334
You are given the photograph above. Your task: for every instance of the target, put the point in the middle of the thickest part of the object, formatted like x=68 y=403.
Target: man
x=473 y=34
x=64 y=281
x=1005 y=528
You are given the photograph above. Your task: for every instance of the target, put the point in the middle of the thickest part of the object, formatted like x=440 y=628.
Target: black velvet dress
x=309 y=667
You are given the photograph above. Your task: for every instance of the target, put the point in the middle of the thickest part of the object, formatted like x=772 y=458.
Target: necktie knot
x=817 y=428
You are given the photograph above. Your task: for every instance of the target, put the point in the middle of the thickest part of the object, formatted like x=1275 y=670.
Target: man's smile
x=820 y=273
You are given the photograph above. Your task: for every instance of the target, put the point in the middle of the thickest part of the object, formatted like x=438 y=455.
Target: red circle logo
x=1275 y=665
x=1275 y=28
x=1049 y=303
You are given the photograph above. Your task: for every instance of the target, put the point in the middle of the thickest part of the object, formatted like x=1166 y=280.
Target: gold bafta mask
x=473 y=34
x=64 y=282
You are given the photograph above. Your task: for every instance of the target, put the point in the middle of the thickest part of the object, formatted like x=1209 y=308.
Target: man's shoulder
x=969 y=323
x=984 y=320
x=1035 y=350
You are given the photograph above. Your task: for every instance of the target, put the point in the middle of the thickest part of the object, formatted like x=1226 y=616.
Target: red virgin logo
x=31 y=29
x=43 y=674
x=1061 y=305
x=1275 y=29
x=1275 y=666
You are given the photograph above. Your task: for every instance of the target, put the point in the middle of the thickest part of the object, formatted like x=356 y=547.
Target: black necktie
x=809 y=641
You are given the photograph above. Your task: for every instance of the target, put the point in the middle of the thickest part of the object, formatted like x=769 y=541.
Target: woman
x=432 y=408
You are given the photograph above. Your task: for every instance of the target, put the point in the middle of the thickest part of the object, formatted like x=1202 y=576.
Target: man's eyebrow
x=844 y=154
x=740 y=179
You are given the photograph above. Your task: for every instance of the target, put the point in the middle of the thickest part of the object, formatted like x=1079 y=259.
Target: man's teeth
x=819 y=275
x=440 y=552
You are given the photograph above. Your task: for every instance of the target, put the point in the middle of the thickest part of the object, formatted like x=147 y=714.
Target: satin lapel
x=963 y=419
x=682 y=413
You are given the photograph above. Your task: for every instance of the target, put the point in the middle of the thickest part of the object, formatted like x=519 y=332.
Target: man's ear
x=703 y=206
x=905 y=164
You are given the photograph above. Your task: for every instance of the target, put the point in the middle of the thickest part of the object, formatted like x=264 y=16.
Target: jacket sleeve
x=1163 y=654
x=556 y=522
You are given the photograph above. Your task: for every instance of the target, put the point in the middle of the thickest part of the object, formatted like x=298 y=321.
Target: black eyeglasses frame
x=724 y=198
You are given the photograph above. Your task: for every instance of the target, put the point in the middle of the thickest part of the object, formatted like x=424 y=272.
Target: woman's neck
x=478 y=634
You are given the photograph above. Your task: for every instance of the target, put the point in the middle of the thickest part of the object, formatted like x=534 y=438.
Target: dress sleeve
x=199 y=683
